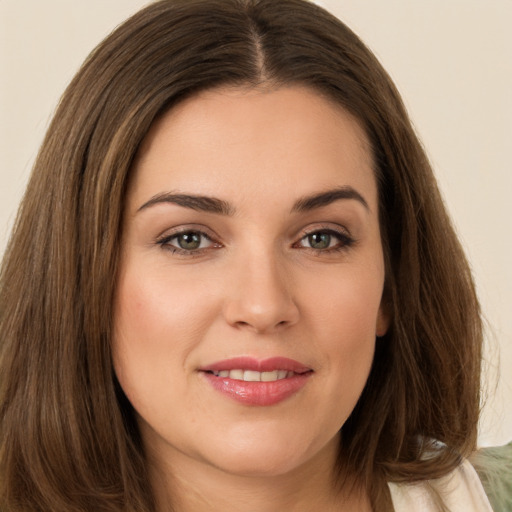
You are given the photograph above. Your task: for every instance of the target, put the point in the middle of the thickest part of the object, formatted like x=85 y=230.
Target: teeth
x=254 y=376
x=269 y=376
x=236 y=374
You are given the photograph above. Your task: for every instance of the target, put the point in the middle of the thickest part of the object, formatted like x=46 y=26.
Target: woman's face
x=250 y=284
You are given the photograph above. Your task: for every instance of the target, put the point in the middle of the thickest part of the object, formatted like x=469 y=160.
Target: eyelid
x=187 y=228
x=323 y=226
x=164 y=239
x=342 y=233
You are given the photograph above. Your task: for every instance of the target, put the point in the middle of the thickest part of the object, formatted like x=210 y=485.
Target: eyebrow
x=194 y=202
x=322 y=199
x=221 y=207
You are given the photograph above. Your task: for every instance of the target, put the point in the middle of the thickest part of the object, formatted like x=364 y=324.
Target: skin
x=260 y=286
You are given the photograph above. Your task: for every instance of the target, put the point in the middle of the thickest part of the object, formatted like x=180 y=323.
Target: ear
x=383 y=319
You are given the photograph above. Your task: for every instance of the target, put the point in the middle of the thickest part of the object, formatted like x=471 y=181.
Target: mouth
x=254 y=376
x=257 y=382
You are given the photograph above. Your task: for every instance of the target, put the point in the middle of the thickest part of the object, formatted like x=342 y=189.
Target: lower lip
x=258 y=393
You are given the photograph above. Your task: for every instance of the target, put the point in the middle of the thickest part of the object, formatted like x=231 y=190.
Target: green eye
x=319 y=240
x=326 y=241
x=189 y=241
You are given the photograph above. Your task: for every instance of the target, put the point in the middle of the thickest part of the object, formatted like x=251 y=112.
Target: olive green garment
x=494 y=467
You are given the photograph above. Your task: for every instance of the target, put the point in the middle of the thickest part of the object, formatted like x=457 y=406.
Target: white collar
x=461 y=491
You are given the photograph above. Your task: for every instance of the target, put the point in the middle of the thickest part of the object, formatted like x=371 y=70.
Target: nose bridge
x=261 y=297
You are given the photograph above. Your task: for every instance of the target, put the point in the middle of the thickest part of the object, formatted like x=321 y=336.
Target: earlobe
x=383 y=321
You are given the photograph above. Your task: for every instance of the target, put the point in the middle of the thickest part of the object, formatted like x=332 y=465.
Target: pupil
x=189 y=241
x=320 y=240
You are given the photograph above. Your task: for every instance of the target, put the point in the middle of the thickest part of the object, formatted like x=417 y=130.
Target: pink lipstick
x=257 y=382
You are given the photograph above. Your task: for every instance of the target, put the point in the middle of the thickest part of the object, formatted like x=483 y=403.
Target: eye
x=325 y=240
x=186 y=241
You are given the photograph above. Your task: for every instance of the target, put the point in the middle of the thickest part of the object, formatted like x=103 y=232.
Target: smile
x=254 y=376
x=257 y=382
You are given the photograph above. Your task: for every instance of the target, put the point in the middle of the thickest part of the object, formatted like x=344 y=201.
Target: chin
x=267 y=455
x=260 y=465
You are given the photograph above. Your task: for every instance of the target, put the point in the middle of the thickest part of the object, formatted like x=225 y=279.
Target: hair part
x=68 y=437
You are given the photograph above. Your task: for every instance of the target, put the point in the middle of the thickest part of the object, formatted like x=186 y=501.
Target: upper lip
x=260 y=365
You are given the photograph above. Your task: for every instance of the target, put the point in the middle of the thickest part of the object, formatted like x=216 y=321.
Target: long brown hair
x=68 y=439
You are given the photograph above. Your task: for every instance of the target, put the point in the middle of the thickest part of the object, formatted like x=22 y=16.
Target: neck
x=193 y=486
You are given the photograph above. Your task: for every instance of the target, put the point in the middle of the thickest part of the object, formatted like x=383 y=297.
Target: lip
x=257 y=393
x=258 y=365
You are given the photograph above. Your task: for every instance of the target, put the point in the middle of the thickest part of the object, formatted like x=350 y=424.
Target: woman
x=232 y=283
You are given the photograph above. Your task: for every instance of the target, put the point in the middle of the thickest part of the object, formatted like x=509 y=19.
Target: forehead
x=229 y=140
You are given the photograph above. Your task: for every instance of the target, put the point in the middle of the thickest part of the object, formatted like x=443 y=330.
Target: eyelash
x=165 y=243
x=345 y=242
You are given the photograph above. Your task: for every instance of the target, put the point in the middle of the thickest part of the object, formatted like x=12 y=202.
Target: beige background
x=452 y=61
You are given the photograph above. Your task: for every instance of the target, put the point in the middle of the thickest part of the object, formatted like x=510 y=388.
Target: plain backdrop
x=452 y=62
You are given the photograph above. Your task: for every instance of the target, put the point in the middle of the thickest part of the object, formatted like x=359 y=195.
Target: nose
x=260 y=297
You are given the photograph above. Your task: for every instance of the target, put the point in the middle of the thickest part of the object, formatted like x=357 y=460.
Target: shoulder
x=460 y=491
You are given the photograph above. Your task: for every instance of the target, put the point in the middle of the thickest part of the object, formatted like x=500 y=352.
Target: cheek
x=157 y=324
x=346 y=304
x=343 y=317
x=151 y=310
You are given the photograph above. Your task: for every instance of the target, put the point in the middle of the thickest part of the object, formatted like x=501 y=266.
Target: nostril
x=260 y=313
